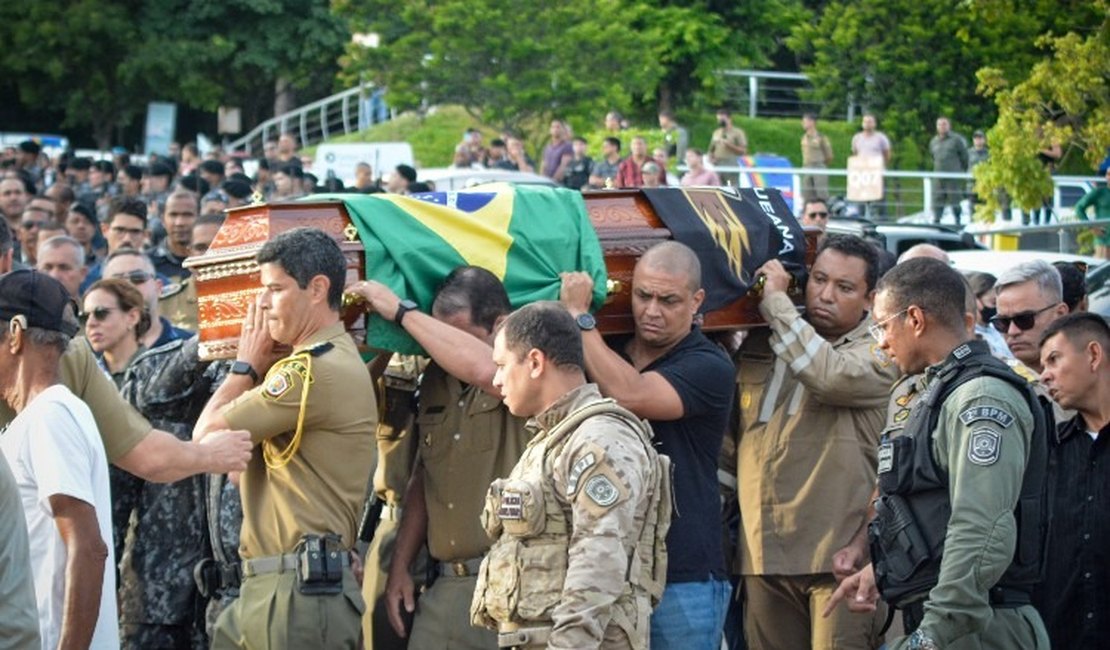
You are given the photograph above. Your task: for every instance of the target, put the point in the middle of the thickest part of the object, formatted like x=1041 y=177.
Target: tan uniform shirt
x=121 y=427
x=396 y=441
x=718 y=152
x=810 y=415
x=816 y=151
x=322 y=488
x=468 y=439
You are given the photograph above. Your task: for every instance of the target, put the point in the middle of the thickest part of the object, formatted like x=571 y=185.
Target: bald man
x=672 y=375
x=925 y=250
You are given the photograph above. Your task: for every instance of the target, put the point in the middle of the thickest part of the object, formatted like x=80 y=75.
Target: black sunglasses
x=134 y=277
x=1024 y=320
x=98 y=314
x=821 y=215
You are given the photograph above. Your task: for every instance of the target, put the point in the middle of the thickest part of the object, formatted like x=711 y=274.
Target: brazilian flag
x=525 y=235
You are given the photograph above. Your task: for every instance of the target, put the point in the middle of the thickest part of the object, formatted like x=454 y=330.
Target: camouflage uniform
x=160 y=528
x=572 y=567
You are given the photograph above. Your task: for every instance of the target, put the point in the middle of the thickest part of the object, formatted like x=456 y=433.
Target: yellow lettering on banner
x=480 y=237
x=725 y=227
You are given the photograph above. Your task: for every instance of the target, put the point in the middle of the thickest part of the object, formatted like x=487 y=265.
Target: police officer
x=467 y=439
x=956 y=540
x=162 y=525
x=312 y=418
x=578 y=558
x=397 y=387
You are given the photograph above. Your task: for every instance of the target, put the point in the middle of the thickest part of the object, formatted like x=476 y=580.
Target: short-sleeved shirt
x=702 y=375
x=875 y=144
x=553 y=156
x=468 y=439
x=321 y=488
x=605 y=169
x=120 y=426
x=719 y=153
x=19 y=615
x=53 y=449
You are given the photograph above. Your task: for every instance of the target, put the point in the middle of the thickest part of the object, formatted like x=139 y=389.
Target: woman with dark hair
x=115 y=319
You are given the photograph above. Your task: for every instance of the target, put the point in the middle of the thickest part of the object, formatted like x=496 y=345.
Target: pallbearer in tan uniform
x=466 y=440
x=312 y=419
x=581 y=520
x=396 y=454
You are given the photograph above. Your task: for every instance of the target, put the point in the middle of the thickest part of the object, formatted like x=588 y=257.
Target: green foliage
x=517 y=65
x=102 y=61
x=1065 y=99
x=910 y=61
x=507 y=63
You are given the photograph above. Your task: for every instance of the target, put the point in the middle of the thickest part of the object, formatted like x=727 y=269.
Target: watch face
x=586 y=321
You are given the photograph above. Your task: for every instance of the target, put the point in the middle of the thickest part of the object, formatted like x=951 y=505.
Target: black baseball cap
x=40 y=299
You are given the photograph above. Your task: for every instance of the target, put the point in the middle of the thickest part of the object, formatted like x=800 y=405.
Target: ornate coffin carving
x=227 y=277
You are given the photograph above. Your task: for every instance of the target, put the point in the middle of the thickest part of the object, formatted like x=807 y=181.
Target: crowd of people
x=904 y=438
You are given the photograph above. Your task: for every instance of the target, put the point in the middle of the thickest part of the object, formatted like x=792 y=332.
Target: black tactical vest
x=912 y=512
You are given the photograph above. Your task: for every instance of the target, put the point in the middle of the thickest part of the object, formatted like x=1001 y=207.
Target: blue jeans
x=691 y=616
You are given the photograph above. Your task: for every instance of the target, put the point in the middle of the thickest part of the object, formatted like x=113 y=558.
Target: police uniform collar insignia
x=962 y=351
x=984 y=447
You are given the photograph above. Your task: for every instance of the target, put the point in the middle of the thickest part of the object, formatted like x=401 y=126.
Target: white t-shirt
x=53 y=447
x=875 y=144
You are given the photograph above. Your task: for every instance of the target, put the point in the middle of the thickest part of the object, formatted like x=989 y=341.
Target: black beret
x=213 y=167
x=159 y=168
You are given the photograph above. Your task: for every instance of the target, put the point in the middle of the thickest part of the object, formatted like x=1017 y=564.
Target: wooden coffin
x=227 y=277
x=627 y=225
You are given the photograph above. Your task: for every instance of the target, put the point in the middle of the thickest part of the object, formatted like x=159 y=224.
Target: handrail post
x=927 y=199
x=753 y=95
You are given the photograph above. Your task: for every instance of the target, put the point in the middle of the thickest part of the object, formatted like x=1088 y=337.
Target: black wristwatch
x=244 y=368
x=586 y=321
x=403 y=308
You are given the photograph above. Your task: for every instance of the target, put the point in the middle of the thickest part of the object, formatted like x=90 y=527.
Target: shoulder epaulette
x=320 y=348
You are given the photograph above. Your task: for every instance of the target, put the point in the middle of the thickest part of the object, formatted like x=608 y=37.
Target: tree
x=912 y=60
x=509 y=64
x=695 y=40
x=102 y=61
x=1064 y=98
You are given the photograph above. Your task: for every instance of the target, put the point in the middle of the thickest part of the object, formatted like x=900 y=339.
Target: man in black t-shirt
x=670 y=374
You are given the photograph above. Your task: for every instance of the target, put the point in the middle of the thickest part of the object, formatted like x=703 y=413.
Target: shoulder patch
x=602 y=491
x=990 y=413
x=961 y=351
x=880 y=356
x=580 y=466
x=277 y=385
x=984 y=447
x=282 y=378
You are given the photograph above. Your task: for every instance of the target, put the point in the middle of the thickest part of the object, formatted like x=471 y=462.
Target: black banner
x=733 y=231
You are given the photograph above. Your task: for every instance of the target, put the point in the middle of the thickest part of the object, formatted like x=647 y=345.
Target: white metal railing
x=908 y=194
x=342 y=113
x=775 y=94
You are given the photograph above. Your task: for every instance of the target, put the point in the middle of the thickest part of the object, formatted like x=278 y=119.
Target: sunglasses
x=98 y=314
x=1024 y=320
x=32 y=225
x=819 y=215
x=134 y=277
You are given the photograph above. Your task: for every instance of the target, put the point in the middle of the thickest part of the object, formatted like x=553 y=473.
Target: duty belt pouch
x=320 y=565
x=899 y=549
